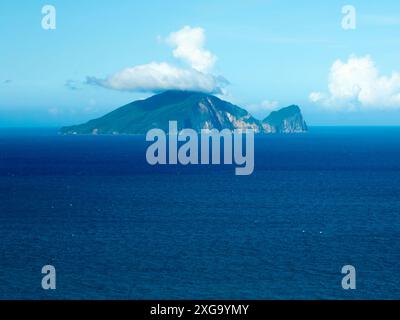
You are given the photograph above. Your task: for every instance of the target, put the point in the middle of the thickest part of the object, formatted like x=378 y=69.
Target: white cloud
x=159 y=76
x=316 y=96
x=269 y=105
x=189 y=47
x=358 y=84
x=265 y=105
x=262 y=109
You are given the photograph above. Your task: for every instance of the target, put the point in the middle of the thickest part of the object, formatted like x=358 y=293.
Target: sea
x=115 y=227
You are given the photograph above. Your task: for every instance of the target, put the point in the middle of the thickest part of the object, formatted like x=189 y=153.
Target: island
x=194 y=110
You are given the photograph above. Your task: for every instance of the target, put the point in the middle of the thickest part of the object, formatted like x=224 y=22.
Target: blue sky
x=273 y=53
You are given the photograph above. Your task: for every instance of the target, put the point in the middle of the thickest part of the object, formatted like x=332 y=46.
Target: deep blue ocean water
x=116 y=228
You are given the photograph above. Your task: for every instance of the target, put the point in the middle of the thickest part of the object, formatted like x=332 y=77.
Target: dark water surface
x=116 y=228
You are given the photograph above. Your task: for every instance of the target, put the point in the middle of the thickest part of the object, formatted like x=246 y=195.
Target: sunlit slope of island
x=191 y=110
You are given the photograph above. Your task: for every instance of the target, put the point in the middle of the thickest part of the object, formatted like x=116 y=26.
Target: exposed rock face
x=191 y=110
x=286 y=120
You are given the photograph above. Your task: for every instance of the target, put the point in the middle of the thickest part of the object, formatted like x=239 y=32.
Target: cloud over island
x=188 y=47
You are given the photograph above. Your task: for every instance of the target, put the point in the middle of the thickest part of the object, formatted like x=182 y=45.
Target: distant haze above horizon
x=259 y=55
